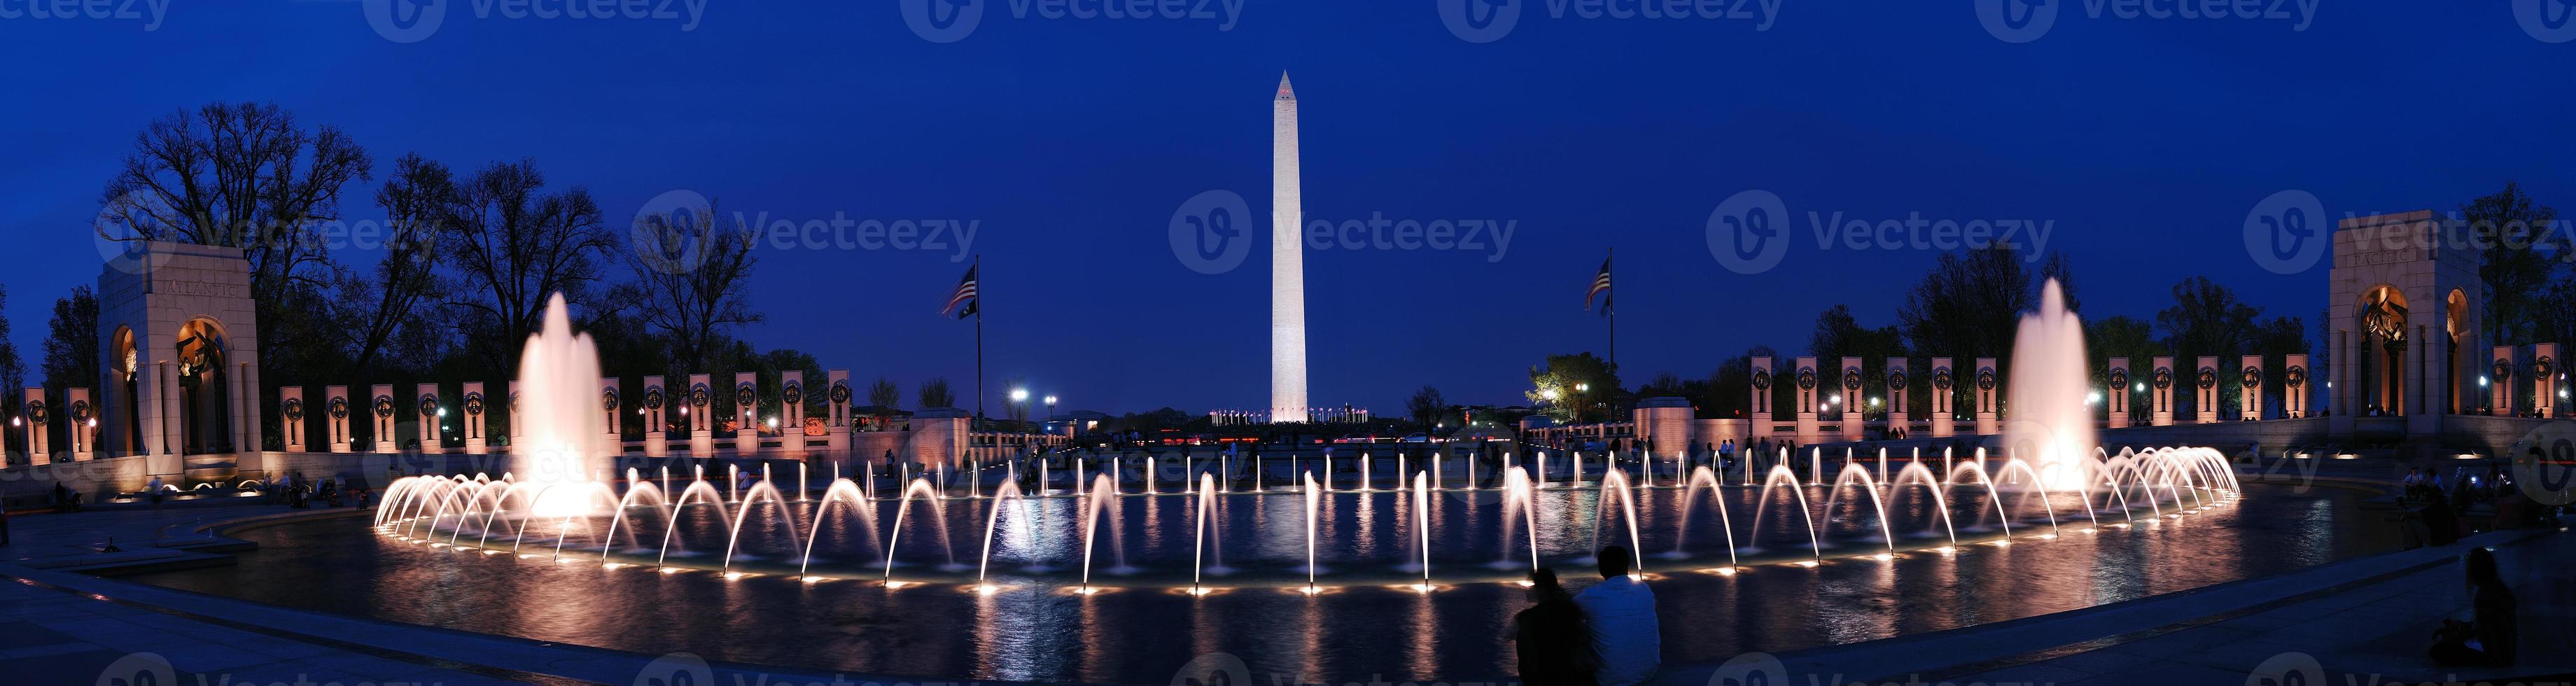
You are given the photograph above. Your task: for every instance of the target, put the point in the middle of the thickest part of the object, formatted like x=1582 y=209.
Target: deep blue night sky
x=1072 y=142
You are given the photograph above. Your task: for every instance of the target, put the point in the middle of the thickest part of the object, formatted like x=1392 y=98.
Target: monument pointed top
x=1285 y=92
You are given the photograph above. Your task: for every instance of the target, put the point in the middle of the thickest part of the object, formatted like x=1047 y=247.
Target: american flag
x=963 y=302
x=1600 y=286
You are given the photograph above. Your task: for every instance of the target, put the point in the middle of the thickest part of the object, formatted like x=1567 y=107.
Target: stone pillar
x=2294 y=386
x=657 y=402
x=433 y=439
x=2115 y=393
x=380 y=406
x=838 y=427
x=1761 y=411
x=1853 y=410
x=1809 y=386
x=1989 y=393
x=2500 y=381
x=147 y=410
x=2204 y=383
x=476 y=441
x=2161 y=387
x=1897 y=394
x=791 y=413
x=243 y=378
x=701 y=416
x=290 y=410
x=746 y=403
x=518 y=423
x=32 y=420
x=612 y=404
x=174 y=437
x=335 y=408
x=80 y=428
x=2544 y=379
x=2339 y=384
x=1945 y=399
x=2250 y=373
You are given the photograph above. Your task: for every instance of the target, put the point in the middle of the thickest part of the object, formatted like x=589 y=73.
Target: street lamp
x=1548 y=394
x=1019 y=395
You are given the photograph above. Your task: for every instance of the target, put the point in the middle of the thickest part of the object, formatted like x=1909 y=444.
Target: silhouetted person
x=2487 y=640
x=1554 y=641
x=1621 y=611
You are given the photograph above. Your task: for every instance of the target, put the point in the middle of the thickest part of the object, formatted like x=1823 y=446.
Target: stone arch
x=203 y=355
x=2380 y=318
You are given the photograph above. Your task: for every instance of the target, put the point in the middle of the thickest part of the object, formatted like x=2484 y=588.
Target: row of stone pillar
x=1811 y=384
x=652 y=407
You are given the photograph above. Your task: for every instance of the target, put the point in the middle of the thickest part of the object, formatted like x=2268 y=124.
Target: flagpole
x=979 y=336
x=1608 y=308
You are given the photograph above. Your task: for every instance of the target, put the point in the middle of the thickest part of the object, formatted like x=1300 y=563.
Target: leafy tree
x=13 y=371
x=1968 y=306
x=1586 y=387
x=515 y=245
x=71 y=343
x=2514 y=231
x=884 y=394
x=416 y=201
x=2125 y=337
x=691 y=274
x=935 y=394
x=1427 y=407
x=1838 y=335
x=246 y=176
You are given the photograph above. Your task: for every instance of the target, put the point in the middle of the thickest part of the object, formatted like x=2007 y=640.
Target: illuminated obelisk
x=1287 y=264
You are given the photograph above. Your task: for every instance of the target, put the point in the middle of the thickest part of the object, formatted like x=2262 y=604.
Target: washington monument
x=1287 y=264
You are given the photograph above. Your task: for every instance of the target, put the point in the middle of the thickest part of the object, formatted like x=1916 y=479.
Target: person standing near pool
x=1621 y=610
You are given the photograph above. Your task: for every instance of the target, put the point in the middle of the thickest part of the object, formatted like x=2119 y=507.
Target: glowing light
x=1811 y=564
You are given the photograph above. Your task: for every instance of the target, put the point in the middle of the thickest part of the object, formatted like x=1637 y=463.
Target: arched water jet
x=1007 y=494
x=1781 y=474
x=1702 y=478
x=1615 y=482
x=841 y=491
x=928 y=492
